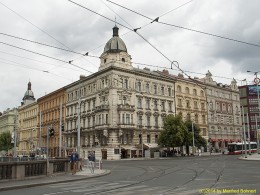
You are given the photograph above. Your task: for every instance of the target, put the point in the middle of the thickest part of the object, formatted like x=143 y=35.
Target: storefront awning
x=148 y=145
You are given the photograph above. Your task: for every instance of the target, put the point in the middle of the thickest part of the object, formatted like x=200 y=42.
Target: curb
x=14 y=187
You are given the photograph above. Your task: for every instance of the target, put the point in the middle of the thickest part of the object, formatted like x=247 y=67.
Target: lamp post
x=257 y=80
x=193 y=142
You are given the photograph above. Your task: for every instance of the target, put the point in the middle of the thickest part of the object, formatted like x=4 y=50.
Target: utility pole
x=257 y=134
x=47 y=152
x=244 y=128
x=60 y=130
x=248 y=132
x=193 y=141
x=40 y=138
x=257 y=81
x=79 y=102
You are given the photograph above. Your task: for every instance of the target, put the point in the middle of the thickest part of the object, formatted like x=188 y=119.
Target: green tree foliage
x=5 y=141
x=198 y=139
x=175 y=132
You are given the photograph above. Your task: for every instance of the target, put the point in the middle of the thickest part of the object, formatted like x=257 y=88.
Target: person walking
x=91 y=159
x=73 y=159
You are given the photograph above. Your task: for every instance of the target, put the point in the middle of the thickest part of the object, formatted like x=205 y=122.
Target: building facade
x=27 y=130
x=223 y=112
x=120 y=108
x=249 y=102
x=51 y=114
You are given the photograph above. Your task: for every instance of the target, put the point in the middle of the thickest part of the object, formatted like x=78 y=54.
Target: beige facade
x=8 y=120
x=28 y=129
x=191 y=103
x=224 y=118
x=121 y=107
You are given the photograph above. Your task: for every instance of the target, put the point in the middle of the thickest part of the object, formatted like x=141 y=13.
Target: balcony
x=125 y=107
x=102 y=108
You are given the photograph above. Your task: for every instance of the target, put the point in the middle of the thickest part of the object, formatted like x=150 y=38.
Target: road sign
x=257 y=80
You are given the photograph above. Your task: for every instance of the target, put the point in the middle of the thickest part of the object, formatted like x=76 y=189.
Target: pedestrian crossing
x=87 y=187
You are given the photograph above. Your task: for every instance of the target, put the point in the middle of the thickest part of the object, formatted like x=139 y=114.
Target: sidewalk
x=250 y=157
x=59 y=178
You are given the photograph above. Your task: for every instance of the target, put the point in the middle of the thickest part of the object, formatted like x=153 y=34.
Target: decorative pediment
x=163 y=115
x=148 y=113
x=140 y=112
x=156 y=114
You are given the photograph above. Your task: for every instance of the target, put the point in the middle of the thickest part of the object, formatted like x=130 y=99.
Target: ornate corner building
x=121 y=107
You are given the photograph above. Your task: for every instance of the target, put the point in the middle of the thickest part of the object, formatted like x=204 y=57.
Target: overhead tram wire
x=45 y=32
x=185 y=28
x=45 y=56
x=13 y=63
x=138 y=63
x=134 y=30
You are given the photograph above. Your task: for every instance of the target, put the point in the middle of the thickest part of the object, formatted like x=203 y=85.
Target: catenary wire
x=45 y=56
x=185 y=28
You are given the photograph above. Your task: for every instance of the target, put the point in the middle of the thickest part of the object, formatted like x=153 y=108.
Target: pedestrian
x=73 y=160
x=91 y=159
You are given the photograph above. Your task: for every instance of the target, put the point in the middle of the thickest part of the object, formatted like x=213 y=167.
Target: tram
x=239 y=148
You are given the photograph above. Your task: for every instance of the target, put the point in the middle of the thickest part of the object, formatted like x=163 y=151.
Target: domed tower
x=28 y=97
x=115 y=53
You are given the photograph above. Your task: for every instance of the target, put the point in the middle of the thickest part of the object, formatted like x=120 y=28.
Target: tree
x=5 y=141
x=174 y=133
x=198 y=139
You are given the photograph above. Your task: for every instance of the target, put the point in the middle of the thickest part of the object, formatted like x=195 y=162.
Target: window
x=155 y=105
x=147 y=88
x=94 y=104
x=203 y=119
x=155 y=89
x=217 y=106
x=156 y=138
x=202 y=106
x=126 y=84
x=148 y=104
x=140 y=138
x=169 y=91
x=148 y=121
x=127 y=118
x=195 y=104
x=196 y=118
x=170 y=106
x=138 y=86
x=123 y=59
x=224 y=107
x=116 y=151
x=194 y=92
x=139 y=103
x=124 y=100
x=162 y=90
x=188 y=103
x=140 y=118
x=123 y=118
x=148 y=138
x=202 y=93
x=180 y=102
x=163 y=105
x=188 y=117
x=156 y=121
x=187 y=90
x=119 y=118
x=179 y=88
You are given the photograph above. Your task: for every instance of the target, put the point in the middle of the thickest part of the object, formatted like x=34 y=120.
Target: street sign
x=257 y=80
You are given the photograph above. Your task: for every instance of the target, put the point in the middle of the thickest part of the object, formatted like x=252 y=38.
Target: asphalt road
x=182 y=175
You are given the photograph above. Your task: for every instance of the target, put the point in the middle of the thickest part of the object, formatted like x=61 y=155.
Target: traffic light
x=51 y=132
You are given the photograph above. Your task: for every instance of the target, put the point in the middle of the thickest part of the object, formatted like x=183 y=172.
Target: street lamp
x=257 y=80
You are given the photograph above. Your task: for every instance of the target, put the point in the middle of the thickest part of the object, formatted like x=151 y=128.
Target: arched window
x=179 y=88
x=194 y=92
x=187 y=90
x=202 y=93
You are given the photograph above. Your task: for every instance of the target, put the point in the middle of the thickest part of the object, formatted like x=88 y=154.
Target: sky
x=66 y=25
